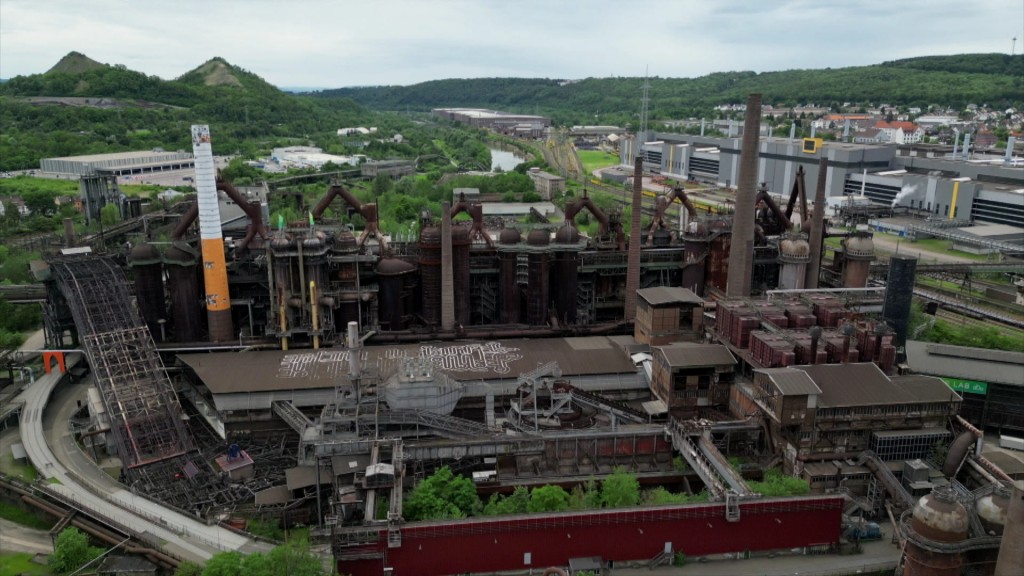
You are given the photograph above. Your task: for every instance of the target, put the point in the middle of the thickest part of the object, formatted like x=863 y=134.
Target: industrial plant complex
x=312 y=373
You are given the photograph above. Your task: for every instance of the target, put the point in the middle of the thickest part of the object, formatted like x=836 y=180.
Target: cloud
x=329 y=44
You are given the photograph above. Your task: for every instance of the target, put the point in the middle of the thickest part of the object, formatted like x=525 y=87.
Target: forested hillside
x=140 y=112
x=995 y=79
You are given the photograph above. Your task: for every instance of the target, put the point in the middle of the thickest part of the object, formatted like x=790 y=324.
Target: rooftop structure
x=118 y=163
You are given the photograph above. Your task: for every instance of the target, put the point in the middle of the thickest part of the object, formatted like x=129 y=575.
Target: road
x=875 y=557
x=75 y=479
x=890 y=244
x=17 y=538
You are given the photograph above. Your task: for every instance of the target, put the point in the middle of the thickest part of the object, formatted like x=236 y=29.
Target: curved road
x=76 y=480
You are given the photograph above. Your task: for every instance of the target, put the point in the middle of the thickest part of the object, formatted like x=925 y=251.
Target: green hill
x=75 y=63
x=242 y=108
x=995 y=79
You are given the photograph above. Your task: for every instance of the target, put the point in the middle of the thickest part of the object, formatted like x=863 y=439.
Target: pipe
x=764 y=196
x=256 y=225
x=573 y=208
x=661 y=206
x=367 y=211
x=98 y=532
x=316 y=319
x=186 y=220
x=284 y=323
x=476 y=213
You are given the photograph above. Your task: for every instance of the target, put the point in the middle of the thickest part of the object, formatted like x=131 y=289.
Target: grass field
x=14 y=563
x=23 y=517
x=594 y=159
x=24 y=472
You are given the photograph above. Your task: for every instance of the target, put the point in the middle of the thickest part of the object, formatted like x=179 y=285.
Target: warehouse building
x=985 y=190
x=118 y=164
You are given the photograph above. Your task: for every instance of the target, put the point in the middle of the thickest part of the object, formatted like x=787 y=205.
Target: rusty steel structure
x=144 y=412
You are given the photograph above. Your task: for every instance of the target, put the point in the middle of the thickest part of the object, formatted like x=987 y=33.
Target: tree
x=551 y=498
x=442 y=495
x=516 y=503
x=224 y=564
x=72 y=551
x=381 y=185
x=620 y=489
x=110 y=215
x=187 y=568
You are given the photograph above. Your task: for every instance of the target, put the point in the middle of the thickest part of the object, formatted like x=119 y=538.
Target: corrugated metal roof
x=993 y=366
x=861 y=384
x=864 y=384
x=668 y=295
x=696 y=355
x=791 y=382
x=925 y=388
x=467 y=361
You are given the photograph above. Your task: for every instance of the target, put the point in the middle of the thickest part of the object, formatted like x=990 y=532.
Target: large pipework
x=573 y=208
x=741 y=253
x=661 y=206
x=367 y=211
x=817 y=231
x=476 y=213
x=215 y=273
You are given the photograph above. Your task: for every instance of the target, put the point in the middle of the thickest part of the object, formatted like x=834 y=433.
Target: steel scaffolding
x=144 y=411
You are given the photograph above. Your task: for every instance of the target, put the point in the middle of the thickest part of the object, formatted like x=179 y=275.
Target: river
x=505 y=159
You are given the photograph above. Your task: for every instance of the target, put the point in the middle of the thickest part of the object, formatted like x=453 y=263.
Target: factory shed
x=254 y=380
x=687 y=376
x=991 y=381
x=666 y=314
x=864 y=384
x=980 y=364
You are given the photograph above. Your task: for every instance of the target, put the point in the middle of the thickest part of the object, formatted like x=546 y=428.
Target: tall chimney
x=1010 y=142
x=447 y=279
x=69 y=232
x=633 y=261
x=966 y=152
x=215 y=273
x=817 y=233
x=846 y=130
x=956 y=141
x=741 y=252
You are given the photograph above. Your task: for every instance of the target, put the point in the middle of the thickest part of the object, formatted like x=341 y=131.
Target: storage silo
x=147 y=271
x=695 y=252
x=391 y=279
x=794 y=255
x=183 y=278
x=859 y=251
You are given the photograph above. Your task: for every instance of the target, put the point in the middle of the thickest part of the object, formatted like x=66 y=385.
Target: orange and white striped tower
x=215 y=273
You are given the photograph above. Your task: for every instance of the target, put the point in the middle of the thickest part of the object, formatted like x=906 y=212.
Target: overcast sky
x=316 y=43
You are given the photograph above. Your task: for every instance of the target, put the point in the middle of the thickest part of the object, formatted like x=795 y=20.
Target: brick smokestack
x=741 y=252
x=633 y=262
x=817 y=232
